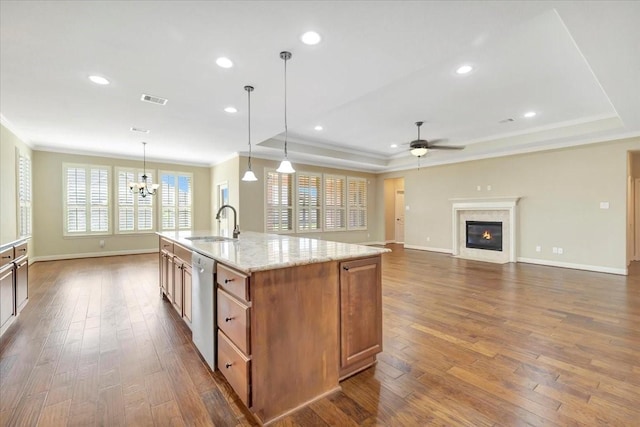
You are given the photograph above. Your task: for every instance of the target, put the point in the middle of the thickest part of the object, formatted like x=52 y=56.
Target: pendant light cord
x=285 y=107
x=249 y=126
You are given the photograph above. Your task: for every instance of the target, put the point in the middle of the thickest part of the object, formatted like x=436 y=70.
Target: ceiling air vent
x=506 y=120
x=135 y=129
x=153 y=99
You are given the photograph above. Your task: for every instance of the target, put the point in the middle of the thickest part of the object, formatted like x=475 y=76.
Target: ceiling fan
x=419 y=147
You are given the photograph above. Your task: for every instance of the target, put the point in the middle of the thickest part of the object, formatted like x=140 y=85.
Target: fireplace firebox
x=484 y=235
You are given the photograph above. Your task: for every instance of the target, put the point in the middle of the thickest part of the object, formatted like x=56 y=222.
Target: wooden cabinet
x=234 y=330
x=175 y=277
x=7 y=288
x=360 y=314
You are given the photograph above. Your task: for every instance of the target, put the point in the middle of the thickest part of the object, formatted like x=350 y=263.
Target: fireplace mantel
x=504 y=204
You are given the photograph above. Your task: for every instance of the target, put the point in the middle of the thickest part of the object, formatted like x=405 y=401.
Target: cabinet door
x=187 y=301
x=7 y=309
x=178 y=266
x=164 y=264
x=360 y=310
x=22 y=284
x=170 y=278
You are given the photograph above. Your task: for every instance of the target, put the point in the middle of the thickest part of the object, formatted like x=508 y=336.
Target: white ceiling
x=382 y=65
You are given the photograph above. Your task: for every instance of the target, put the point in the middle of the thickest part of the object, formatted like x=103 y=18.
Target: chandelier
x=142 y=187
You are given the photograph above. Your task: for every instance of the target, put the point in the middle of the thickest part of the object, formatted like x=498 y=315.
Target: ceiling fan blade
x=445 y=147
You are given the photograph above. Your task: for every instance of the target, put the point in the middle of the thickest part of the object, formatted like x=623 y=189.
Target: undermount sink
x=208 y=239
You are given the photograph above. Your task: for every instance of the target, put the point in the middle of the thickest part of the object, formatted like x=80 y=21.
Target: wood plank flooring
x=465 y=343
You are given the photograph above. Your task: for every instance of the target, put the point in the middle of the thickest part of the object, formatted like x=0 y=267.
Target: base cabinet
x=7 y=296
x=175 y=277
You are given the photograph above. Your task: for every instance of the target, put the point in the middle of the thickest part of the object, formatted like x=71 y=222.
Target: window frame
x=336 y=207
x=299 y=208
x=176 y=205
x=88 y=200
x=24 y=195
x=359 y=207
x=137 y=173
x=291 y=206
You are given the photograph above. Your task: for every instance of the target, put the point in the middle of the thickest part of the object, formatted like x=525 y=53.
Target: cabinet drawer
x=234 y=320
x=6 y=256
x=233 y=282
x=166 y=245
x=235 y=367
x=21 y=250
x=183 y=253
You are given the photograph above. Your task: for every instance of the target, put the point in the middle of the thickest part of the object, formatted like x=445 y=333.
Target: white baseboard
x=372 y=243
x=426 y=248
x=596 y=268
x=92 y=255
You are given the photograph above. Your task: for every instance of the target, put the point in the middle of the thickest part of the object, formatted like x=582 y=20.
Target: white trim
x=426 y=248
x=371 y=243
x=91 y=255
x=508 y=203
x=596 y=268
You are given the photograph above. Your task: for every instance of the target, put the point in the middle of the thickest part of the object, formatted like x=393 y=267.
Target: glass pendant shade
x=285 y=167
x=419 y=151
x=249 y=176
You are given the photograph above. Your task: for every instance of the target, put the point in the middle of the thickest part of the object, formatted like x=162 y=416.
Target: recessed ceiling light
x=231 y=110
x=529 y=114
x=224 y=62
x=318 y=128
x=310 y=38
x=99 y=80
x=394 y=145
x=464 y=69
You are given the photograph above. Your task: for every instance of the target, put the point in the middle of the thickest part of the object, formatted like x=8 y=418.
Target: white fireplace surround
x=503 y=209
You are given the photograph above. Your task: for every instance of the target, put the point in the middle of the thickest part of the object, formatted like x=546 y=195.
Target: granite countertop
x=253 y=251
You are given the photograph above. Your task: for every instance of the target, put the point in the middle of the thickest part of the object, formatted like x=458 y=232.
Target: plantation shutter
x=357 y=203
x=334 y=203
x=309 y=202
x=279 y=203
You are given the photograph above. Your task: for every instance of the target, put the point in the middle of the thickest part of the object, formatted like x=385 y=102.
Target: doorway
x=399 y=216
x=394 y=210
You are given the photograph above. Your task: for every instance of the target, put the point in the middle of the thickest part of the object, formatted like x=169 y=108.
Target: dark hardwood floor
x=465 y=343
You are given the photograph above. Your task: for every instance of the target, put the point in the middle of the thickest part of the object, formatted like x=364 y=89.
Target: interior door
x=225 y=225
x=399 y=212
x=636 y=224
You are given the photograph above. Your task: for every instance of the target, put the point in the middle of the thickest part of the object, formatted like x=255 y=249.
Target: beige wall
x=9 y=144
x=391 y=185
x=252 y=202
x=49 y=241
x=561 y=192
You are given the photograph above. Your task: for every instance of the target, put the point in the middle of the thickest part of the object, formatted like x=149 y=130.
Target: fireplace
x=484 y=235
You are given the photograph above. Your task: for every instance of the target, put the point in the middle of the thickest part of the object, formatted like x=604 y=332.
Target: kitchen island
x=294 y=315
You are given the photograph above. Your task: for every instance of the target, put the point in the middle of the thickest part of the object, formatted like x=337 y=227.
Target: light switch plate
x=604 y=205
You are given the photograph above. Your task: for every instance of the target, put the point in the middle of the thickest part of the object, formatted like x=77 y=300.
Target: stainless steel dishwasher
x=203 y=320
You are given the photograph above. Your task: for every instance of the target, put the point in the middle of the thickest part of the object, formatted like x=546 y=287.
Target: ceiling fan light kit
x=420 y=147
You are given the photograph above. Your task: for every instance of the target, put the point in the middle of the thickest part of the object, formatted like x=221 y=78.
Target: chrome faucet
x=236 y=229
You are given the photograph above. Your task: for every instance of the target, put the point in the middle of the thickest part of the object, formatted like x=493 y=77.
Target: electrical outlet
x=478 y=188
x=488 y=188
x=538 y=248
x=554 y=250
x=560 y=251
x=102 y=243
x=428 y=239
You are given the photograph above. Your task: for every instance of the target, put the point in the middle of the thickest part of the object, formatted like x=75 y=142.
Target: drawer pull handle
x=228 y=365
x=165 y=246
x=228 y=319
x=23 y=250
x=345 y=268
x=6 y=257
x=228 y=280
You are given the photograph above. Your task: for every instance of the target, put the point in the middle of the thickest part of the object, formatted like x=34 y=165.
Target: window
x=279 y=204
x=334 y=203
x=309 y=202
x=134 y=212
x=357 y=203
x=86 y=199
x=176 y=193
x=24 y=195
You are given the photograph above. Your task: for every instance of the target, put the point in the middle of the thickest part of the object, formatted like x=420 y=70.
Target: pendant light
x=249 y=175
x=143 y=187
x=285 y=165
